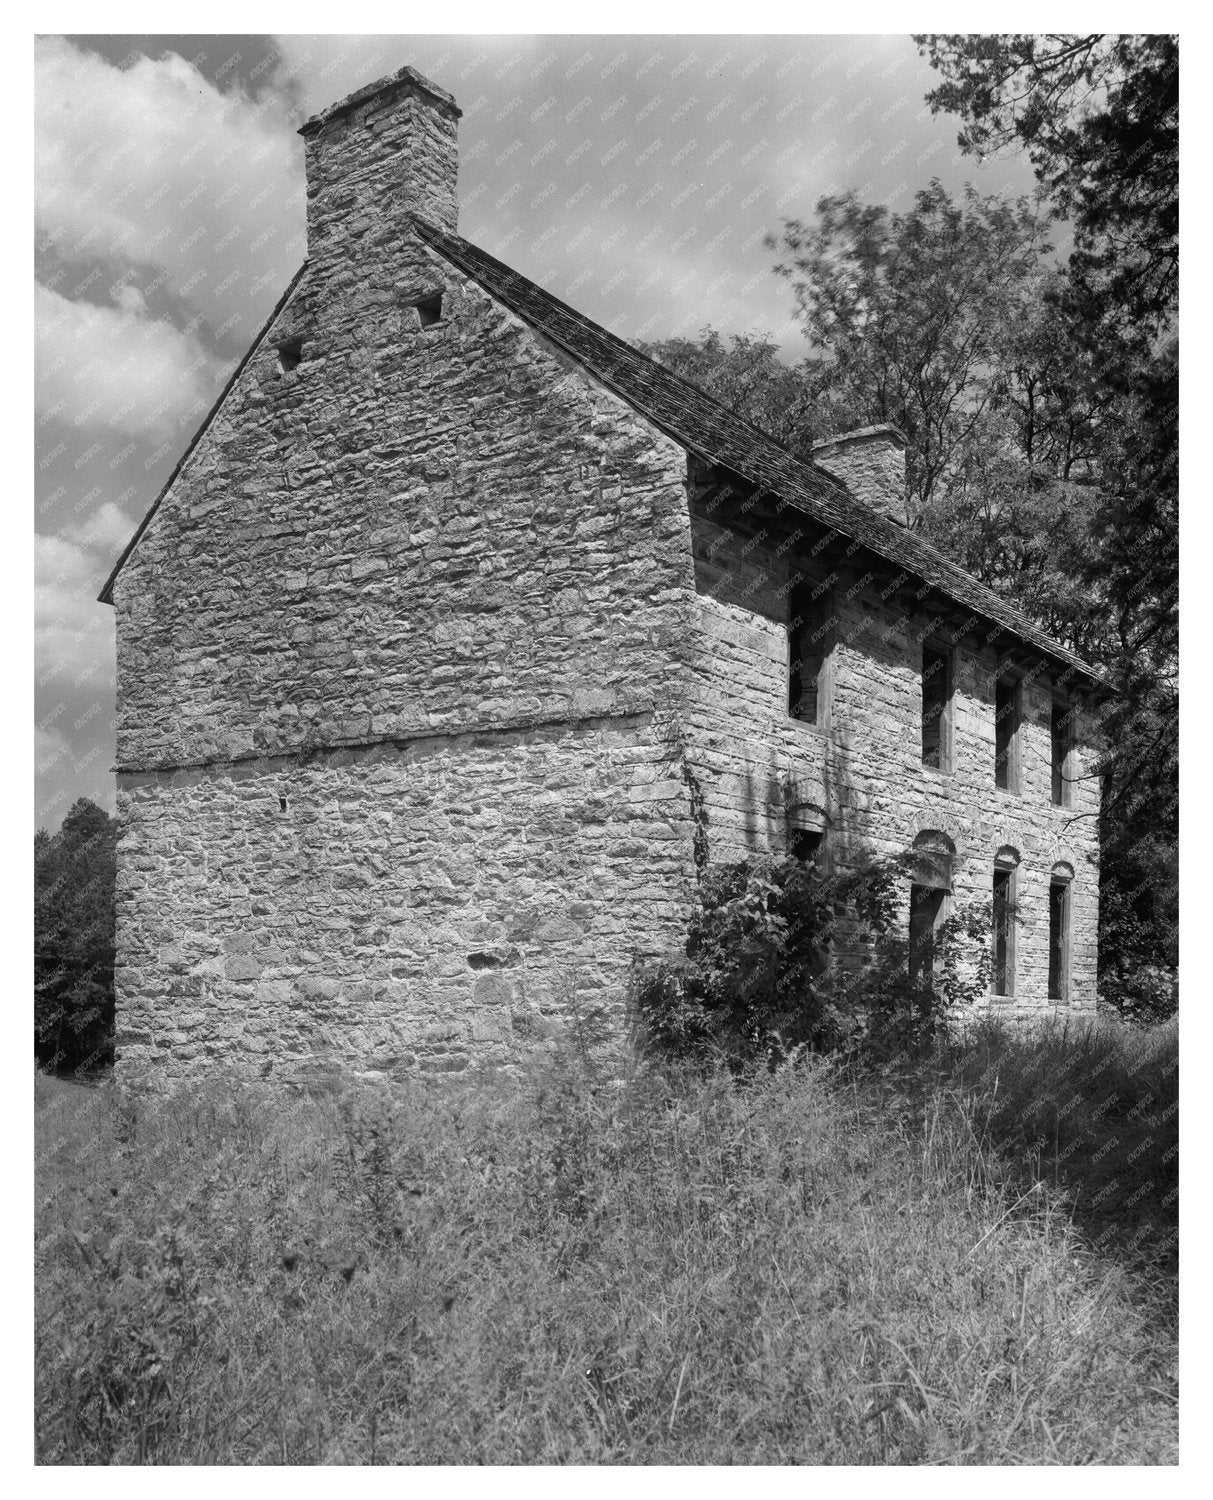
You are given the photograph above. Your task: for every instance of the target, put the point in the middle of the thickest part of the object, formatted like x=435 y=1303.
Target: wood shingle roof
x=707 y=428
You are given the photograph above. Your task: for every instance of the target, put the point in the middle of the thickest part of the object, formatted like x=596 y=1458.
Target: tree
x=1042 y=460
x=1099 y=118
x=909 y=314
x=749 y=377
x=910 y=319
x=74 y=874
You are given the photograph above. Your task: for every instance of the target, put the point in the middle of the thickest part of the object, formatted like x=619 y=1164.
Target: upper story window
x=1061 y=734
x=810 y=653
x=1008 y=699
x=936 y=707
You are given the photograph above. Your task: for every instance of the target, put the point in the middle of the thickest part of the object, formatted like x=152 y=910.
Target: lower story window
x=1059 y=938
x=1002 y=980
x=926 y=913
x=806 y=844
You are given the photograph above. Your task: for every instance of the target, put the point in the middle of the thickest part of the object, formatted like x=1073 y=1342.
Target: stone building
x=462 y=633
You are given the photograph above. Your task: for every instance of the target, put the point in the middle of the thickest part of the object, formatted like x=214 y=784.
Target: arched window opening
x=1060 y=882
x=930 y=887
x=808 y=826
x=1002 y=978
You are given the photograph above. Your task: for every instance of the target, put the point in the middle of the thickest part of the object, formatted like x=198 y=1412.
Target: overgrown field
x=812 y=1267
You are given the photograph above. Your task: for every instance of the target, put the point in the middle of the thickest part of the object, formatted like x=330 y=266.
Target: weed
x=805 y=1264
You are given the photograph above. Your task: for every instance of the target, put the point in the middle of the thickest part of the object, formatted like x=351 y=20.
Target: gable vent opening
x=429 y=310
x=289 y=355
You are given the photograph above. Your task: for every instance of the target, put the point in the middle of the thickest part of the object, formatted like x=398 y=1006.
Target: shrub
x=761 y=976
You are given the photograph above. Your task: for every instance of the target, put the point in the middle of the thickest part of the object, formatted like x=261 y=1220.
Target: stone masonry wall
x=419 y=533
x=425 y=905
x=871 y=462
x=418 y=656
x=865 y=772
x=415 y=528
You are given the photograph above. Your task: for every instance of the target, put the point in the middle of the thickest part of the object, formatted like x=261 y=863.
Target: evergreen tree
x=74 y=874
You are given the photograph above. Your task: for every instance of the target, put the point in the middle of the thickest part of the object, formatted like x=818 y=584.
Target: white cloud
x=102 y=367
x=323 y=69
x=58 y=561
x=108 y=529
x=73 y=634
x=152 y=166
x=50 y=746
x=131 y=300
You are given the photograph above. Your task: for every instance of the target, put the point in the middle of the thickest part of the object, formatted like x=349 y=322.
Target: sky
x=635 y=177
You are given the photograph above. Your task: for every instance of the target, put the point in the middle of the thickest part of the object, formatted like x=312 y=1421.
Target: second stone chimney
x=871 y=462
x=375 y=157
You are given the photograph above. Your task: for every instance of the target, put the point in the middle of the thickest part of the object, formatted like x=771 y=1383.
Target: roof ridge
x=780 y=472
x=433 y=231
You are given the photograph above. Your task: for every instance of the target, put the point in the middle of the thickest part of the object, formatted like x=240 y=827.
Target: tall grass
x=1093 y=1107
x=809 y=1268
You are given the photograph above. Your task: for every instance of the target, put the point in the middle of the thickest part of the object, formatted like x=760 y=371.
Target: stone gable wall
x=429 y=588
x=414 y=529
x=447 y=531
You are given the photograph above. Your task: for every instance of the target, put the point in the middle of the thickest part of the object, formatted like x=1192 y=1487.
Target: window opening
x=289 y=355
x=806 y=844
x=936 y=698
x=1059 y=938
x=429 y=310
x=933 y=853
x=1007 y=700
x=926 y=913
x=1061 y=722
x=1003 y=979
x=810 y=640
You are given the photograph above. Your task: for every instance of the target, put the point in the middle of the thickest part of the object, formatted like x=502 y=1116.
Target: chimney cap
x=414 y=83
x=882 y=429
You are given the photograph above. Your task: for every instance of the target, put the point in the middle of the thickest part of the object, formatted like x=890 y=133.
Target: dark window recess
x=429 y=310
x=806 y=844
x=1059 y=937
x=289 y=355
x=1060 y=721
x=809 y=641
x=1006 y=735
x=281 y=804
x=926 y=905
x=936 y=691
x=1002 y=977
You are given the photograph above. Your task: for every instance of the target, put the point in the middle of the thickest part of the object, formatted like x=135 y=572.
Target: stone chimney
x=871 y=462
x=372 y=159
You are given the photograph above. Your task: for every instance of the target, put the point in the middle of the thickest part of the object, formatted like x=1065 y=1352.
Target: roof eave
x=1033 y=638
